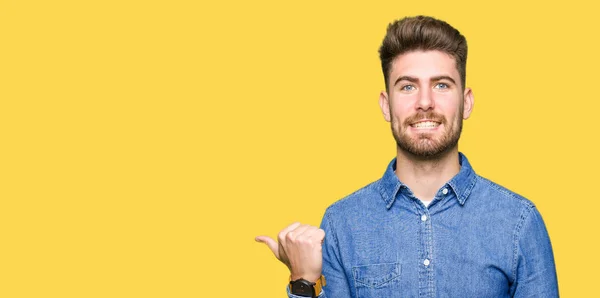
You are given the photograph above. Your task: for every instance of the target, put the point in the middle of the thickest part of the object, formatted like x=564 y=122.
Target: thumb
x=272 y=244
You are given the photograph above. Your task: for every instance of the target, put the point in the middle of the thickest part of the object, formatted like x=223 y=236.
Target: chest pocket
x=377 y=280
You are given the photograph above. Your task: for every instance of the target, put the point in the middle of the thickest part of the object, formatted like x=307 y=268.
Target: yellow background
x=143 y=144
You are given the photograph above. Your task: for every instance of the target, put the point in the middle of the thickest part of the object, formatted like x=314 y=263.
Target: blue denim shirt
x=475 y=239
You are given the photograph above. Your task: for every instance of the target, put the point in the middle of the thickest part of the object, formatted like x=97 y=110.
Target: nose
x=425 y=101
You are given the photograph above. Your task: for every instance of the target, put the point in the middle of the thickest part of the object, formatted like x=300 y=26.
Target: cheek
x=399 y=118
x=450 y=109
x=400 y=111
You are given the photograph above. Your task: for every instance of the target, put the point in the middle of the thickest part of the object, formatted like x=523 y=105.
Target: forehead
x=424 y=65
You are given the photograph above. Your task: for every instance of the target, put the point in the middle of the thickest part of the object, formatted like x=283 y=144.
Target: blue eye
x=442 y=86
x=408 y=88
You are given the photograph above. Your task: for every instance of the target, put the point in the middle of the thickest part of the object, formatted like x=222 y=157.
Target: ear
x=468 y=103
x=384 y=104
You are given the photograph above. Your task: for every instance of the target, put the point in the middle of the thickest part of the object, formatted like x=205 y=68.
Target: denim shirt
x=475 y=239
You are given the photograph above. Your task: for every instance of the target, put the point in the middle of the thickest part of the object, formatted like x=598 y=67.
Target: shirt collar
x=462 y=183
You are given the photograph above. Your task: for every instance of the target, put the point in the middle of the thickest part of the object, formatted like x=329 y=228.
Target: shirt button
x=426 y=262
x=423 y=217
x=445 y=191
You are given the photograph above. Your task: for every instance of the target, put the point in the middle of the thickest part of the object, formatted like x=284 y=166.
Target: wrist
x=310 y=277
x=305 y=288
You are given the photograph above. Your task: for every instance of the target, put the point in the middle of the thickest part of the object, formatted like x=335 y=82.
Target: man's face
x=426 y=103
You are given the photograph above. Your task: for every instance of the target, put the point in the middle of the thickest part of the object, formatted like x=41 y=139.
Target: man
x=430 y=227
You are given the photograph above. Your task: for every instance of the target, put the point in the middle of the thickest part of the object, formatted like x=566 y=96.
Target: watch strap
x=317 y=285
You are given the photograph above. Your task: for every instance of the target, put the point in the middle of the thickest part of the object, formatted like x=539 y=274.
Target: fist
x=299 y=247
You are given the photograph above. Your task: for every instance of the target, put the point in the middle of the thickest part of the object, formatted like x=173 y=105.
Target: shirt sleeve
x=337 y=283
x=534 y=261
x=322 y=295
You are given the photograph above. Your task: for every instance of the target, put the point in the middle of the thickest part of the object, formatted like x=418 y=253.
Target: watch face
x=302 y=288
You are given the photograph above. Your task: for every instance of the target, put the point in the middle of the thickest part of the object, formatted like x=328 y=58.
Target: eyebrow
x=415 y=80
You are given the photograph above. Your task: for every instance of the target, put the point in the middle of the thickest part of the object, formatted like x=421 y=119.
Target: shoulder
x=491 y=190
x=359 y=197
x=360 y=201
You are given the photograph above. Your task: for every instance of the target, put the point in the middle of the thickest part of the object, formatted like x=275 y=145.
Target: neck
x=424 y=176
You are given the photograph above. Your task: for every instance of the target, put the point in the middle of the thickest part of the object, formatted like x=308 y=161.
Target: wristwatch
x=305 y=288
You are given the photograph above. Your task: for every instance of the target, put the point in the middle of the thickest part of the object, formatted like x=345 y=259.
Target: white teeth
x=426 y=124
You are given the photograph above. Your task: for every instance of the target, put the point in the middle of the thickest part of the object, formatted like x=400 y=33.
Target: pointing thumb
x=272 y=244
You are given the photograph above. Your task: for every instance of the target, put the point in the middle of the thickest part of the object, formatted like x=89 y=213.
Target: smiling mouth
x=425 y=124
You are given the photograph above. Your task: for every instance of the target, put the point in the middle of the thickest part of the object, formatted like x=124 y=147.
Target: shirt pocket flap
x=376 y=275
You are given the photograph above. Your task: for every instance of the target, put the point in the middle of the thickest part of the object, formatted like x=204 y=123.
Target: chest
x=430 y=255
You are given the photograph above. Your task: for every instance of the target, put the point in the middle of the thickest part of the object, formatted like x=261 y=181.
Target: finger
x=283 y=233
x=312 y=234
x=272 y=244
x=320 y=235
x=291 y=227
x=299 y=231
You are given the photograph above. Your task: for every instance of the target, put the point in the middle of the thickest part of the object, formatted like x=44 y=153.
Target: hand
x=299 y=248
